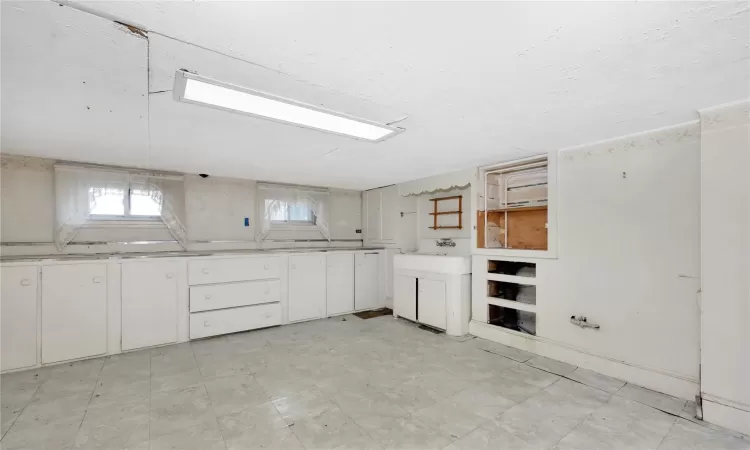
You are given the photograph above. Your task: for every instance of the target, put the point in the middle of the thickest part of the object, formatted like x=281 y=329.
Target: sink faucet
x=445 y=242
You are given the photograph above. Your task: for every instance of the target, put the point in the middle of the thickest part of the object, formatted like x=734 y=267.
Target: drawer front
x=207 y=271
x=218 y=296
x=212 y=323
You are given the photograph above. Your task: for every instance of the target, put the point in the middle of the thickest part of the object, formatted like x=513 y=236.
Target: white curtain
x=77 y=190
x=272 y=197
x=169 y=192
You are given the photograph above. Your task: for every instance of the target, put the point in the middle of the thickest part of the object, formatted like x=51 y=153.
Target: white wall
x=216 y=208
x=428 y=236
x=725 y=265
x=628 y=219
x=626 y=216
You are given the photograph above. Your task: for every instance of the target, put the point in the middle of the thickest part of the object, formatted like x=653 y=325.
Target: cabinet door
x=74 y=311
x=149 y=304
x=307 y=286
x=373 y=214
x=366 y=281
x=389 y=213
x=340 y=284
x=431 y=303
x=405 y=297
x=18 y=293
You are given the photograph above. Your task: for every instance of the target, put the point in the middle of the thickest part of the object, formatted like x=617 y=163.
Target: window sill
x=133 y=223
x=297 y=227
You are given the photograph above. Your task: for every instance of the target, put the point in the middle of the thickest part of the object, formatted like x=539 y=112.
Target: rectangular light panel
x=191 y=89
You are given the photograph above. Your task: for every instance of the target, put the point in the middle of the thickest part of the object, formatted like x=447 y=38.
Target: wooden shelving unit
x=435 y=213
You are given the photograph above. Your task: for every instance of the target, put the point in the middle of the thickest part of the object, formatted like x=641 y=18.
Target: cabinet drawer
x=207 y=271
x=218 y=296
x=212 y=323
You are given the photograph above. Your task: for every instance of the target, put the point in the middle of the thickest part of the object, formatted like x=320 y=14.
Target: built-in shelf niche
x=512 y=319
x=514 y=214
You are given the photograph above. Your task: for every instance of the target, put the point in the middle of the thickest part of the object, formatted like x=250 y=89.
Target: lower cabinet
x=232 y=320
x=74 y=311
x=405 y=297
x=421 y=300
x=18 y=292
x=366 y=281
x=307 y=286
x=431 y=303
x=149 y=303
x=339 y=283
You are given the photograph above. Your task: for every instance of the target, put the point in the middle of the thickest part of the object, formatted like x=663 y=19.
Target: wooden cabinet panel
x=74 y=311
x=19 y=308
x=149 y=304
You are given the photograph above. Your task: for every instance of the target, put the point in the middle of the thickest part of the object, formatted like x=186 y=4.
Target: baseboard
x=726 y=416
x=670 y=384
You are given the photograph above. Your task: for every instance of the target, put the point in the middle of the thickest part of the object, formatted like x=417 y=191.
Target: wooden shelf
x=446 y=198
x=520 y=208
x=435 y=213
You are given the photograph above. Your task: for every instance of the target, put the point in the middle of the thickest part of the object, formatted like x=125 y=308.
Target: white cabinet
x=232 y=295
x=307 y=286
x=74 y=311
x=18 y=300
x=223 y=321
x=390 y=213
x=431 y=303
x=339 y=283
x=373 y=212
x=149 y=303
x=366 y=281
x=405 y=297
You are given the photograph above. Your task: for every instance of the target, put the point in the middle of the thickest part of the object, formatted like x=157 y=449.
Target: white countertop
x=173 y=254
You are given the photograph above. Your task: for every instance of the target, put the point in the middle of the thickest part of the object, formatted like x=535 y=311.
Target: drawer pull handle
x=170 y=276
x=206 y=271
x=268 y=315
x=206 y=324
x=265 y=266
x=208 y=296
x=97 y=280
x=25 y=282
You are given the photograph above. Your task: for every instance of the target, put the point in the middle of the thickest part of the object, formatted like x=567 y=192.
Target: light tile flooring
x=342 y=383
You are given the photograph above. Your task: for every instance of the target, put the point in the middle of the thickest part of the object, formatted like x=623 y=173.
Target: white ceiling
x=480 y=82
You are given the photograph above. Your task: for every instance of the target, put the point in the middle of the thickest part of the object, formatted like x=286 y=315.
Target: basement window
x=289 y=213
x=133 y=203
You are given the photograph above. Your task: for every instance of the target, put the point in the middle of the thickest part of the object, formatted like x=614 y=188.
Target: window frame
x=127 y=217
x=288 y=223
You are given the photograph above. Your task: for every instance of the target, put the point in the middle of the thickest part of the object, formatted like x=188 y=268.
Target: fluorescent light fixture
x=190 y=88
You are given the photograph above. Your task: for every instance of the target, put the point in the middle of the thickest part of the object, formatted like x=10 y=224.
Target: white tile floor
x=344 y=384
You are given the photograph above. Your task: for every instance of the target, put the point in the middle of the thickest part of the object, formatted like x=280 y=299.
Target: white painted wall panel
x=725 y=265
x=628 y=233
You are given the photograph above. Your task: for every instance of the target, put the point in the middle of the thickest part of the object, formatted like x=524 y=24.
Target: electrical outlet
x=358 y=231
